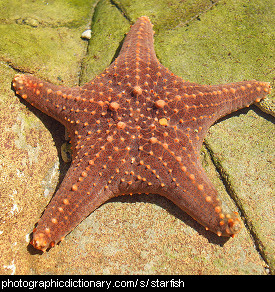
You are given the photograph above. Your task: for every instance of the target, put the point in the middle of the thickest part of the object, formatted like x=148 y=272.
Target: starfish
x=136 y=128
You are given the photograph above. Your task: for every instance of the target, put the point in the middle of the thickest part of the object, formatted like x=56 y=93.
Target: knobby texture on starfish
x=136 y=128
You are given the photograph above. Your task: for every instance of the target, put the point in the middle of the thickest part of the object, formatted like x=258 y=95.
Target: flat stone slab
x=204 y=41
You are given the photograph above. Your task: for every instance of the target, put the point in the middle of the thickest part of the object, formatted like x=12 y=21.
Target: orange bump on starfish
x=136 y=128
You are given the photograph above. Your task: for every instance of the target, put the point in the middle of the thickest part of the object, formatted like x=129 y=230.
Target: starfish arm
x=78 y=196
x=199 y=106
x=227 y=98
x=167 y=164
x=94 y=176
x=139 y=42
x=217 y=101
x=194 y=193
x=55 y=101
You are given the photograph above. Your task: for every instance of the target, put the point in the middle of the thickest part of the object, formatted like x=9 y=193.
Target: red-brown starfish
x=136 y=128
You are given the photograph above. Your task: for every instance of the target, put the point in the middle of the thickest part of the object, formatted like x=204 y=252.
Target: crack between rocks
x=122 y=11
x=8 y=62
x=224 y=177
x=89 y=26
x=197 y=16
